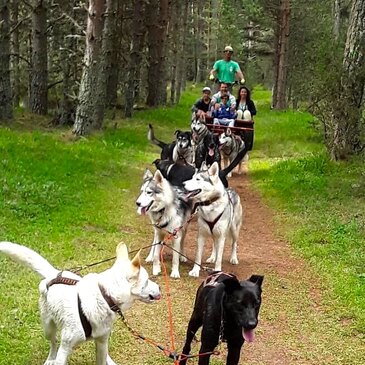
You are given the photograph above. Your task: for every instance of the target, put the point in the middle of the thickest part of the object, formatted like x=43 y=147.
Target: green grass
x=320 y=203
x=74 y=201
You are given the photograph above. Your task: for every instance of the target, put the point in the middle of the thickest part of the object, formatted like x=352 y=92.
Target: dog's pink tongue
x=248 y=335
x=211 y=152
x=141 y=210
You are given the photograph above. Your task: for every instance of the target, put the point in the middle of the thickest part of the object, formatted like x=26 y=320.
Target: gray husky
x=219 y=215
x=230 y=145
x=167 y=211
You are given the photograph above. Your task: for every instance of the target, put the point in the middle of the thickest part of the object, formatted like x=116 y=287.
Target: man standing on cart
x=225 y=70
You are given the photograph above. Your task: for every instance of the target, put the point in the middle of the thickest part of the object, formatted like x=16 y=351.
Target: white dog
x=219 y=215
x=84 y=308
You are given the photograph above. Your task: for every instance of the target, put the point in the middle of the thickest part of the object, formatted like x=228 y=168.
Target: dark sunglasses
x=228 y=52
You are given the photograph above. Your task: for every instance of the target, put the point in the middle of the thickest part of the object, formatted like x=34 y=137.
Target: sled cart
x=242 y=128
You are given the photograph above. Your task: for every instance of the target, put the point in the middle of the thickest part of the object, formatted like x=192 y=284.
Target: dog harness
x=59 y=279
x=212 y=279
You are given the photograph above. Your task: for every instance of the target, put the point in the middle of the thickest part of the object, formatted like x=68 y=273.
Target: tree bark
x=86 y=111
x=136 y=56
x=281 y=56
x=336 y=18
x=39 y=76
x=15 y=50
x=181 y=70
x=110 y=52
x=5 y=85
x=347 y=113
x=157 y=20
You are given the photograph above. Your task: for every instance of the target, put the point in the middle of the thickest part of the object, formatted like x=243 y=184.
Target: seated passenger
x=201 y=107
x=245 y=106
x=222 y=114
x=223 y=90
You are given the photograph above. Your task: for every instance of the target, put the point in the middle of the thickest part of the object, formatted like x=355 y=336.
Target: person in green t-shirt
x=226 y=70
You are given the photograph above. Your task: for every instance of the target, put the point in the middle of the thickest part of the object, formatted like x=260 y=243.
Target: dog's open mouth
x=248 y=335
x=144 y=210
x=154 y=297
x=211 y=151
x=191 y=194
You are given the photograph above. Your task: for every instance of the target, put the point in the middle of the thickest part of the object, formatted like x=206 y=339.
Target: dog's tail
x=151 y=137
x=241 y=154
x=29 y=258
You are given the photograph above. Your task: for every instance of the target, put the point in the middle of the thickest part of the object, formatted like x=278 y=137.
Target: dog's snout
x=138 y=203
x=251 y=324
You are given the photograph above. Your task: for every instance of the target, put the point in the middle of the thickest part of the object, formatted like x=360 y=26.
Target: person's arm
x=252 y=108
x=232 y=100
x=239 y=74
x=213 y=71
x=195 y=107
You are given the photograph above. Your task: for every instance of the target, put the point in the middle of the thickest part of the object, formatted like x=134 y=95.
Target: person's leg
x=239 y=114
x=247 y=115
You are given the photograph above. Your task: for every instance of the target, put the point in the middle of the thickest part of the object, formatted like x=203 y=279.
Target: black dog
x=180 y=150
x=177 y=173
x=208 y=150
x=227 y=309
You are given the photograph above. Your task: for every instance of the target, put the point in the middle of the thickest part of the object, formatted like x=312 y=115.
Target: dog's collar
x=112 y=305
x=59 y=279
x=164 y=225
x=207 y=202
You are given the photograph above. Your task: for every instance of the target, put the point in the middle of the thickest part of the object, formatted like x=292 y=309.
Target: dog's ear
x=122 y=251
x=228 y=132
x=147 y=175
x=214 y=170
x=231 y=284
x=136 y=262
x=257 y=279
x=177 y=131
x=158 y=177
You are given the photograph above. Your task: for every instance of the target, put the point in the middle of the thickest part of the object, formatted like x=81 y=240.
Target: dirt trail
x=295 y=328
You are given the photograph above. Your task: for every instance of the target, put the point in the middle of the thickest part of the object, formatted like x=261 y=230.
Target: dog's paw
x=50 y=362
x=183 y=259
x=149 y=258
x=234 y=260
x=211 y=259
x=156 y=270
x=194 y=273
x=175 y=274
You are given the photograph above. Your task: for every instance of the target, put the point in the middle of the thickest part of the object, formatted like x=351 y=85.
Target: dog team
x=188 y=179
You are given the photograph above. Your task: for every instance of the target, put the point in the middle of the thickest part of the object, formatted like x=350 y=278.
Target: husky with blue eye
x=84 y=308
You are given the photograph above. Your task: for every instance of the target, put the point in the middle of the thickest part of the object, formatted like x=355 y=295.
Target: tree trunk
x=86 y=110
x=181 y=71
x=107 y=60
x=281 y=56
x=174 y=48
x=347 y=112
x=157 y=19
x=336 y=18
x=39 y=76
x=15 y=49
x=110 y=52
x=5 y=85
x=136 y=56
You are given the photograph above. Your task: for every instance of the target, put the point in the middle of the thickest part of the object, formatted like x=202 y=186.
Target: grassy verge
x=320 y=203
x=74 y=201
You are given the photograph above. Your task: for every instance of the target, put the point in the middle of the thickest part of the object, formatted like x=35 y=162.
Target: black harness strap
x=212 y=224
x=59 y=279
x=84 y=321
